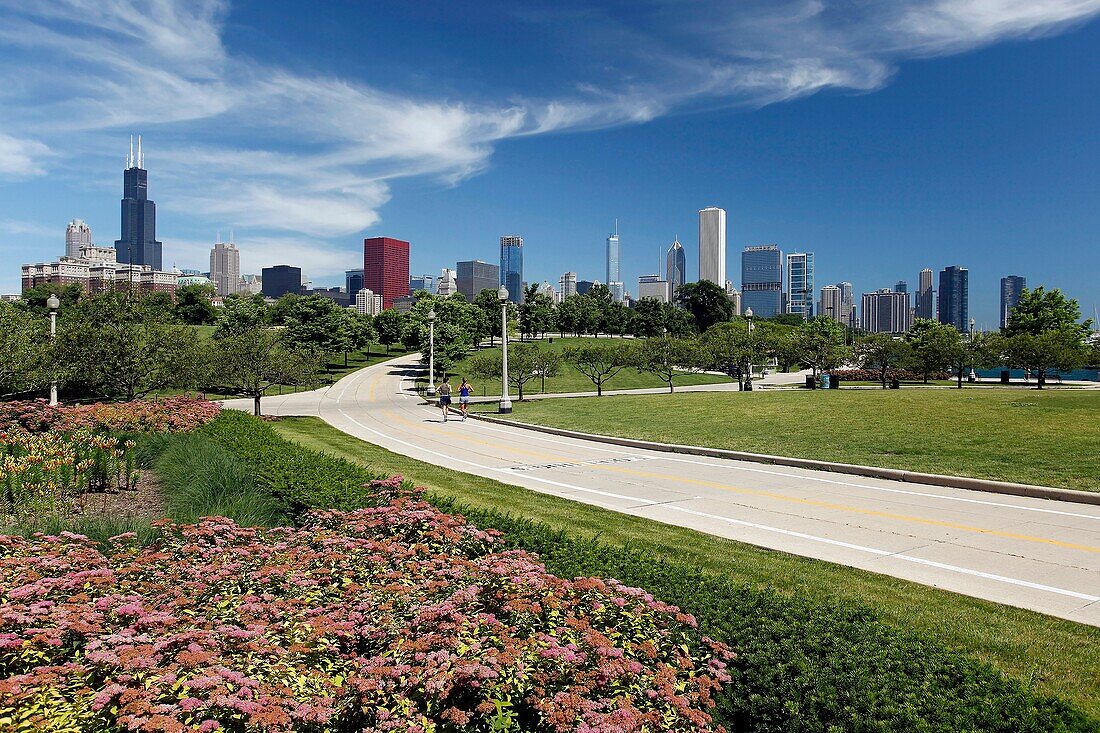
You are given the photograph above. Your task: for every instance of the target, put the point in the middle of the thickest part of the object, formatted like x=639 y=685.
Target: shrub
x=175 y=414
x=872 y=375
x=392 y=618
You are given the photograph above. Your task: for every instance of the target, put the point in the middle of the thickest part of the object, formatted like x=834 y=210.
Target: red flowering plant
x=391 y=618
x=170 y=415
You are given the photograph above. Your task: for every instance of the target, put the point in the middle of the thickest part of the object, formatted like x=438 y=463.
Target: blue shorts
x=445 y=400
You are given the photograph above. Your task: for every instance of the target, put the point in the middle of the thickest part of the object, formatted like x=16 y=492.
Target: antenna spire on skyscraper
x=130 y=160
x=140 y=157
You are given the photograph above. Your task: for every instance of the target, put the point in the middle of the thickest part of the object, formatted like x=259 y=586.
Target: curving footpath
x=1034 y=553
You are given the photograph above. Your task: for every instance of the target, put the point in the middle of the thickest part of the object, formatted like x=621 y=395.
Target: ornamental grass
x=396 y=617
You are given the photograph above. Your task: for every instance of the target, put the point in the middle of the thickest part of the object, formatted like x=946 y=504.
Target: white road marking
x=738 y=522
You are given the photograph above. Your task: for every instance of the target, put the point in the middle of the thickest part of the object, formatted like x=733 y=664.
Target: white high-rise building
x=847 y=304
x=367 y=303
x=652 y=286
x=735 y=297
x=77 y=235
x=548 y=290
x=567 y=285
x=225 y=268
x=800 y=284
x=712 y=245
x=831 y=305
x=614 y=255
x=618 y=291
x=448 y=283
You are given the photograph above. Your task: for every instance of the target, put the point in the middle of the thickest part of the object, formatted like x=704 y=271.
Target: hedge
x=803 y=665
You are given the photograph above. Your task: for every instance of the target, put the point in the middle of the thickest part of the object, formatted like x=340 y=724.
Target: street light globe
x=431 y=314
x=53 y=303
x=748 y=313
x=502 y=293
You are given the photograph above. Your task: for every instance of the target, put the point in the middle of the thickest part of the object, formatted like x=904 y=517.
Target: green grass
x=1047 y=438
x=1053 y=656
x=569 y=379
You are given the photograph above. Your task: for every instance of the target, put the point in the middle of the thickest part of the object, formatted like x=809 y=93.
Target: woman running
x=445 y=397
x=464 y=391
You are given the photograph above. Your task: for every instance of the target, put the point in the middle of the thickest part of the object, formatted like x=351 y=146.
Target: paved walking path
x=1033 y=553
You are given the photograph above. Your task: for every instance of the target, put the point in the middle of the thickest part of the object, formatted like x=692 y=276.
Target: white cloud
x=22 y=157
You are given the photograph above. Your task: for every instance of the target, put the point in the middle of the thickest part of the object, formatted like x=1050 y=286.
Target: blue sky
x=885 y=137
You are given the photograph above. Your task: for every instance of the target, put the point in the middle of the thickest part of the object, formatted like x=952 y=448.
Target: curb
x=893 y=474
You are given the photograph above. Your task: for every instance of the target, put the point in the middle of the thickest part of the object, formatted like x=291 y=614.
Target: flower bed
x=171 y=415
x=872 y=375
x=393 y=618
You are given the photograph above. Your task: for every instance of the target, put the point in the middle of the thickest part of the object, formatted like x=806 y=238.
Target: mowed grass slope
x=1057 y=657
x=1048 y=438
x=569 y=379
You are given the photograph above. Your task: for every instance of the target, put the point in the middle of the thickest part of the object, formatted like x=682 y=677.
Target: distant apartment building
x=831 y=304
x=77 y=235
x=511 y=266
x=712 y=245
x=448 y=284
x=386 y=268
x=97 y=270
x=1011 y=287
x=279 y=280
x=652 y=286
x=925 y=299
x=583 y=286
x=421 y=282
x=475 y=276
x=404 y=304
x=762 y=280
x=885 y=311
x=734 y=296
x=353 y=281
x=567 y=285
x=617 y=290
x=614 y=256
x=225 y=268
x=954 y=297
x=800 y=284
x=367 y=303
x=901 y=287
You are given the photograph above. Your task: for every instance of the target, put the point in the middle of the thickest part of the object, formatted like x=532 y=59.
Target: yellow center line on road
x=497 y=446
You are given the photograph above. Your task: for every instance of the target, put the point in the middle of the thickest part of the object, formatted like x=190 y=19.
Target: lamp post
x=748 y=377
x=431 y=353
x=53 y=303
x=505 y=401
x=972 y=377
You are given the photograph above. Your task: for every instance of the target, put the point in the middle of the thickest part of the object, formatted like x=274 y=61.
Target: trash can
x=748 y=385
x=825 y=381
x=895 y=384
x=810 y=383
x=550 y=340
x=1004 y=376
x=834 y=381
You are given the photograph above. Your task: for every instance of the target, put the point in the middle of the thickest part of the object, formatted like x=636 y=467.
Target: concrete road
x=1032 y=553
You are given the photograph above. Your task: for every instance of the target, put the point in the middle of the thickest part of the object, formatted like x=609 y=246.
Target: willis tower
x=138 y=244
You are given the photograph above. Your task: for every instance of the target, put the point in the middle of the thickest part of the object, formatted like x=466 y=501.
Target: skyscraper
x=1011 y=286
x=800 y=284
x=138 y=244
x=353 y=281
x=885 y=311
x=614 y=253
x=77 y=235
x=280 y=280
x=901 y=287
x=225 y=268
x=447 y=284
x=567 y=285
x=954 y=300
x=847 y=304
x=367 y=303
x=617 y=290
x=386 y=268
x=762 y=280
x=712 y=245
x=675 y=268
x=511 y=266
x=421 y=282
x=734 y=296
x=475 y=276
x=831 y=304
x=652 y=286
x=925 y=307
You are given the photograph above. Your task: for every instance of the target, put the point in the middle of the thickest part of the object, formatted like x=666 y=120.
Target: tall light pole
x=53 y=304
x=972 y=377
x=748 y=377
x=431 y=353
x=505 y=401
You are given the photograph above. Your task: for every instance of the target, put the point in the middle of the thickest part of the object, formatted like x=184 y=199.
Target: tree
x=707 y=302
x=524 y=361
x=819 y=344
x=454 y=328
x=1052 y=350
x=598 y=362
x=34 y=299
x=389 y=324
x=1039 y=311
x=24 y=350
x=488 y=302
x=536 y=312
x=547 y=364
x=678 y=321
x=778 y=341
x=242 y=313
x=648 y=318
x=314 y=323
x=194 y=305
x=881 y=352
x=787 y=319
x=616 y=319
x=934 y=346
x=666 y=357
x=253 y=361
x=730 y=348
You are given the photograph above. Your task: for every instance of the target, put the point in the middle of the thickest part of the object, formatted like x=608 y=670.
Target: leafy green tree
x=648 y=318
x=548 y=364
x=536 y=312
x=35 y=298
x=1039 y=311
x=242 y=313
x=253 y=361
x=389 y=325
x=488 y=303
x=677 y=321
x=819 y=344
x=579 y=314
x=616 y=319
x=194 y=305
x=707 y=303
x=524 y=362
x=24 y=350
x=314 y=323
x=730 y=348
x=778 y=341
x=1059 y=349
x=666 y=358
x=455 y=325
x=598 y=362
x=881 y=352
x=933 y=346
x=787 y=319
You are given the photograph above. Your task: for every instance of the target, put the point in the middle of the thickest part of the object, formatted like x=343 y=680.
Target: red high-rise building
x=386 y=268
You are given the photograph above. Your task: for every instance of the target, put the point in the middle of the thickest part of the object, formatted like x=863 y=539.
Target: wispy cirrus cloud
x=281 y=152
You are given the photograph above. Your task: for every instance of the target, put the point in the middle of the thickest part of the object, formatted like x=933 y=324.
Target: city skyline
x=821 y=166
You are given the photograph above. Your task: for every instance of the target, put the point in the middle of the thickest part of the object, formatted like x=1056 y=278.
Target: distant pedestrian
x=464 y=391
x=445 y=397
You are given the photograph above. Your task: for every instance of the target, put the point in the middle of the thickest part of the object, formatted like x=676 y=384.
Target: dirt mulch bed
x=145 y=501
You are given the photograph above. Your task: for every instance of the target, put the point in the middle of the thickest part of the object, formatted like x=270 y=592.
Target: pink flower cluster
x=170 y=415
x=393 y=618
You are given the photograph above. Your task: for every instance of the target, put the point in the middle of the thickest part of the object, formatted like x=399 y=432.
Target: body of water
x=1084 y=375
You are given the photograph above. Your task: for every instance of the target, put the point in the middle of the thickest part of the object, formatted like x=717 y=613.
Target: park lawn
x=569 y=379
x=1058 y=657
x=1047 y=438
